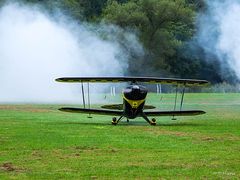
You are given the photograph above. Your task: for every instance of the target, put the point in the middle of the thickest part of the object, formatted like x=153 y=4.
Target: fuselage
x=133 y=100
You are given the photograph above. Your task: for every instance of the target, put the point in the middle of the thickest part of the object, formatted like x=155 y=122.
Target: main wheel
x=114 y=121
x=153 y=123
x=153 y=120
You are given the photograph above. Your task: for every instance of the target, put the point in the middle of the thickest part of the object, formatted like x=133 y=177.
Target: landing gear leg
x=153 y=122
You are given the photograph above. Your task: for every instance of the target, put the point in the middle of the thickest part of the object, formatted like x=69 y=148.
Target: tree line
x=166 y=29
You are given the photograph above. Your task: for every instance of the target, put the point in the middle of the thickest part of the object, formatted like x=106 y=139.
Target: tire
x=153 y=120
x=114 y=119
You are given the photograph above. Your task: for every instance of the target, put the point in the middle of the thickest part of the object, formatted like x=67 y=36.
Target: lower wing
x=92 y=111
x=174 y=113
x=120 y=113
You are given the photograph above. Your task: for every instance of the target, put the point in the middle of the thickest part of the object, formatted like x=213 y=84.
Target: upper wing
x=92 y=111
x=188 y=82
x=174 y=113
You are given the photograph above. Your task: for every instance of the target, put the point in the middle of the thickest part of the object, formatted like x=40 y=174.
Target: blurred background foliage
x=166 y=29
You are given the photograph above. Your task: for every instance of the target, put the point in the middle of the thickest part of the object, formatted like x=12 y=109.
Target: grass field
x=39 y=142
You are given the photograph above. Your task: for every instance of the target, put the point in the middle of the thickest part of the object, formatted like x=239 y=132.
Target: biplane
x=134 y=97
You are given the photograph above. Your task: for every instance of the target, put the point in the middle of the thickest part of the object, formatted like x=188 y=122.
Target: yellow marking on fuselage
x=134 y=103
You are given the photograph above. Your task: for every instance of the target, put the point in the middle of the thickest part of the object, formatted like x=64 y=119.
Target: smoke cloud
x=219 y=32
x=35 y=49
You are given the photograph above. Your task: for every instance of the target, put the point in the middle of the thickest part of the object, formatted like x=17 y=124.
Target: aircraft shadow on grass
x=133 y=123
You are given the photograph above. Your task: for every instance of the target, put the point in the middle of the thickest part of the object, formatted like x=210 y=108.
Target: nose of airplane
x=135 y=88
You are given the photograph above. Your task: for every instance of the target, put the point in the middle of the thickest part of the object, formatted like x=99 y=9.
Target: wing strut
x=88 y=96
x=89 y=104
x=183 y=92
x=83 y=96
x=175 y=104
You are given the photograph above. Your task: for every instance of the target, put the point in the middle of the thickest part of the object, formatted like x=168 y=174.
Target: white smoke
x=35 y=49
x=219 y=32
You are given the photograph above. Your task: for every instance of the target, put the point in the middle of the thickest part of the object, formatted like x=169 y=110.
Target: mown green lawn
x=39 y=142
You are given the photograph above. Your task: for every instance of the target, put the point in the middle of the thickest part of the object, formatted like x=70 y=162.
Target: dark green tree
x=163 y=24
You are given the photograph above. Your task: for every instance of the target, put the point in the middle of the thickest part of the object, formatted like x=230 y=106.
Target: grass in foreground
x=39 y=142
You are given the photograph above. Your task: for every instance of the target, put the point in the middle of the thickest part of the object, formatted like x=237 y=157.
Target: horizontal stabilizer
x=187 y=82
x=92 y=111
x=174 y=113
x=120 y=106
